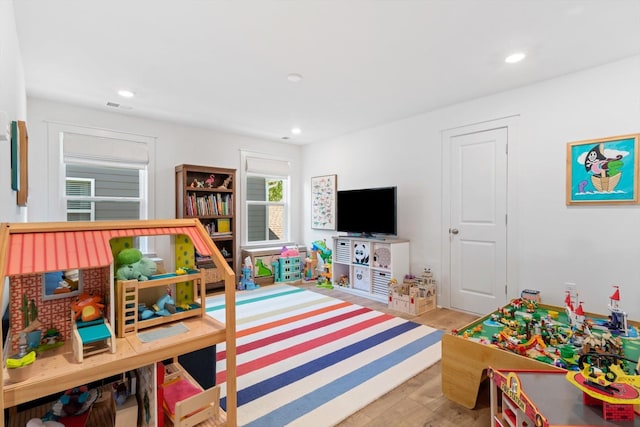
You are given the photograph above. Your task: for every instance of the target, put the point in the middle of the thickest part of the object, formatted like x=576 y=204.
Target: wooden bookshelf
x=208 y=194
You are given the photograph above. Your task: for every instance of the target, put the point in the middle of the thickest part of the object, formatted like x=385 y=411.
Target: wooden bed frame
x=202 y=407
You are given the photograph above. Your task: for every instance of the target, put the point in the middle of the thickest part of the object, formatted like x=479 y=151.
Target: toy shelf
x=57 y=370
x=365 y=266
x=128 y=298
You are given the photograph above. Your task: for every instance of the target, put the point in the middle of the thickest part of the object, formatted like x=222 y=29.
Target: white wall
x=595 y=247
x=13 y=103
x=175 y=144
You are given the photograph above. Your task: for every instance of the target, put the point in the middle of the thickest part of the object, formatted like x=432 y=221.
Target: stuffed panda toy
x=360 y=253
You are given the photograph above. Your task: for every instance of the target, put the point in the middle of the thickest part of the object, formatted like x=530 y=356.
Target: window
x=105 y=174
x=96 y=192
x=80 y=209
x=267 y=208
x=99 y=174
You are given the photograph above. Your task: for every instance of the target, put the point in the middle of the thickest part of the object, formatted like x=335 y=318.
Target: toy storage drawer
x=362 y=278
x=381 y=281
x=360 y=252
x=342 y=251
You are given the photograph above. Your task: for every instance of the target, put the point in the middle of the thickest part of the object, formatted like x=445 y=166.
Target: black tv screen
x=367 y=211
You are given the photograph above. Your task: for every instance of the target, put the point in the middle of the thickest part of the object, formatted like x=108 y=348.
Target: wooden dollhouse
x=28 y=251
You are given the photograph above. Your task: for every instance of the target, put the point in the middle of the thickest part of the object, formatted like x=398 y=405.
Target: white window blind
x=267 y=166
x=90 y=147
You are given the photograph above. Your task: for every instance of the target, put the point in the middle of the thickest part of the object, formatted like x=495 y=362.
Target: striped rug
x=306 y=359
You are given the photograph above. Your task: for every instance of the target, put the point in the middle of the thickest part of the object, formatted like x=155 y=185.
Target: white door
x=478 y=220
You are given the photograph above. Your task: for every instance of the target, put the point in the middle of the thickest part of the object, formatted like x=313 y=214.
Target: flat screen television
x=367 y=211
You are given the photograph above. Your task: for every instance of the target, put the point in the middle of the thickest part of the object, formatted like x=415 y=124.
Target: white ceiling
x=223 y=64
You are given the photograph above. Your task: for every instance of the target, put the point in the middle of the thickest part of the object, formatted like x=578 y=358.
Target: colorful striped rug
x=306 y=359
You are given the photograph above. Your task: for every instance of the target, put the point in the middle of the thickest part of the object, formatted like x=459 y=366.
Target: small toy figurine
x=225 y=183
x=87 y=307
x=245 y=280
x=209 y=181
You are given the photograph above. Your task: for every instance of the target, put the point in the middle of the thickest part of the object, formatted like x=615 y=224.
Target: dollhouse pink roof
x=39 y=252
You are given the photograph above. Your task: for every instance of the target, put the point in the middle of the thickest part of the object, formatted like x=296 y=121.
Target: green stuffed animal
x=132 y=265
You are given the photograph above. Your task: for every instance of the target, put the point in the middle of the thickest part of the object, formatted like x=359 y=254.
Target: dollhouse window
x=61 y=284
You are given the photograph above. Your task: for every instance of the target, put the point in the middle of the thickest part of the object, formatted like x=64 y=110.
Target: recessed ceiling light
x=296 y=131
x=516 y=57
x=126 y=93
x=294 y=77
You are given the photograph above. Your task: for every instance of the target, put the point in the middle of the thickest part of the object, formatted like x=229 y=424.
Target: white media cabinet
x=369 y=264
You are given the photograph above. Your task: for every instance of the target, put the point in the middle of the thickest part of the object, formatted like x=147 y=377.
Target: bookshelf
x=208 y=194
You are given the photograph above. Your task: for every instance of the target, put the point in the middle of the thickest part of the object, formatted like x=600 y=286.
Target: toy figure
x=132 y=265
x=245 y=280
x=210 y=180
x=225 y=183
x=87 y=307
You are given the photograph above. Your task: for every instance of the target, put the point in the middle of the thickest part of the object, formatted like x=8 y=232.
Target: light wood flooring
x=418 y=402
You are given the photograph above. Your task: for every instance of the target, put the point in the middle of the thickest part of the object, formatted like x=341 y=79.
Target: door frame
x=511 y=124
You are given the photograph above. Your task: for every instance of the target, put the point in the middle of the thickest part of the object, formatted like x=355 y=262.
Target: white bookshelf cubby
x=369 y=264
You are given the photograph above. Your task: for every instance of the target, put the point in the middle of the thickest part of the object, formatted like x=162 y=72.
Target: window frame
x=286 y=182
x=142 y=178
x=90 y=198
x=56 y=208
x=286 y=202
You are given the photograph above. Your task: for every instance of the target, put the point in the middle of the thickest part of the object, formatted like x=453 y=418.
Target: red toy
x=87 y=307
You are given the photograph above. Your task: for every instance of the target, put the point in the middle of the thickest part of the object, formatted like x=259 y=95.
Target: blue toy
x=245 y=280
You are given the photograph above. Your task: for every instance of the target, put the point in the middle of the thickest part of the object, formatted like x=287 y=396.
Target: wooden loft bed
x=27 y=250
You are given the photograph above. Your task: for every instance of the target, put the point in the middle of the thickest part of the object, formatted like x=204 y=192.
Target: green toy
x=263 y=270
x=132 y=265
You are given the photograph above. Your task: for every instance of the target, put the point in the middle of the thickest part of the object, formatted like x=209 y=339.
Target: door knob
x=453 y=231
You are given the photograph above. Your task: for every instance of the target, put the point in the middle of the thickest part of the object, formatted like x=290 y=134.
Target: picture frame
x=603 y=171
x=19 y=161
x=323 y=202
x=23 y=169
x=15 y=157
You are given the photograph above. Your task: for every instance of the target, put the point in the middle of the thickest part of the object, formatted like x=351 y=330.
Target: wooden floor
x=418 y=402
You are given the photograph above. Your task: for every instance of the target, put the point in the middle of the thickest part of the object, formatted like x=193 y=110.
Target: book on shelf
x=224 y=225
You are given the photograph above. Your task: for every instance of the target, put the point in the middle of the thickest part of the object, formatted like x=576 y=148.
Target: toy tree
x=29 y=311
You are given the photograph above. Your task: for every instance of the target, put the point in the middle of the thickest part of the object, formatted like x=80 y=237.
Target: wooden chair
x=91 y=337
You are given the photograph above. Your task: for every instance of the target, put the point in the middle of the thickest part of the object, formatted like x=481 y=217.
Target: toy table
x=465 y=362
x=541 y=399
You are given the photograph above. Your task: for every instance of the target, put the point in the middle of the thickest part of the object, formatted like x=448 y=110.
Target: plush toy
x=165 y=306
x=87 y=307
x=73 y=402
x=132 y=265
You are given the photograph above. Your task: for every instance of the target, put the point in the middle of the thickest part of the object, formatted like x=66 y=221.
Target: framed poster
x=603 y=171
x=323 y=202
x=23 y=168
x=15 y=157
